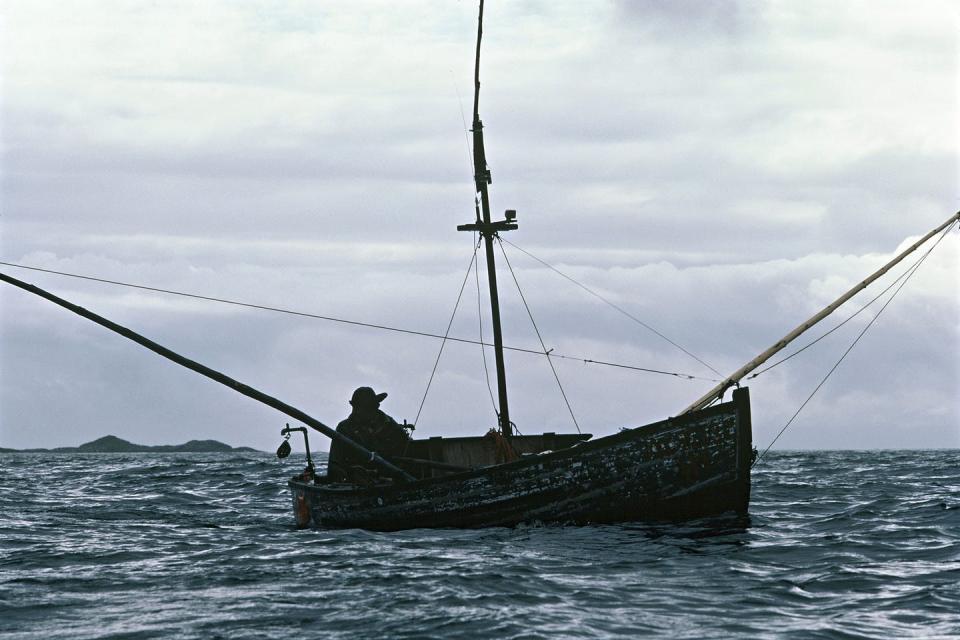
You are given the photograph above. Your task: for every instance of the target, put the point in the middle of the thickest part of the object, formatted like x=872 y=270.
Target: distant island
x=113 y=444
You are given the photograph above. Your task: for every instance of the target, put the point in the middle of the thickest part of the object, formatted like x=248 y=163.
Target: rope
x=848 y=350
x=685 y=376
x=612 y=304
x=906 y=274
x=483 y=350
x=356 y=323
x=546 y=351
x=502 y=450
x=453 y=315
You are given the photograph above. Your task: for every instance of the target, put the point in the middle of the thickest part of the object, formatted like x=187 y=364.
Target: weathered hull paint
x=694 y=466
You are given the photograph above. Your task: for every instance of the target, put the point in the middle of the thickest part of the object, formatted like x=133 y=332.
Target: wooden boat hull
x=693 y=466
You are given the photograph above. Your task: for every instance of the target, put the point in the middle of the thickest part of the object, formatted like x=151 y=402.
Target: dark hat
x=365 y=396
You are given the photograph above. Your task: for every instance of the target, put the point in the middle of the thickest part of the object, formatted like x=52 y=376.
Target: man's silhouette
x=371 y=428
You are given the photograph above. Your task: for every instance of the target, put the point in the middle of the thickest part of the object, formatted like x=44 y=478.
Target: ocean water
x=838 y=545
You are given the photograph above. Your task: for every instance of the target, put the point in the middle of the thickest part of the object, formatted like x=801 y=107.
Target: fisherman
x=372 y=429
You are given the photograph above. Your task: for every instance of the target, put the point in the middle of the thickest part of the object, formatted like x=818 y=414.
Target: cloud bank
x=722 y=172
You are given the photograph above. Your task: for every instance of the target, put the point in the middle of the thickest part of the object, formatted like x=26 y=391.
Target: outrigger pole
x=489 y=230
x=239 y=387
x=717 y=392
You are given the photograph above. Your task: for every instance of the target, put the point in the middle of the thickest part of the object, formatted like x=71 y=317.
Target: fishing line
x=356 y=323
x=849 y=349
x=612 y=304
x=466 y=129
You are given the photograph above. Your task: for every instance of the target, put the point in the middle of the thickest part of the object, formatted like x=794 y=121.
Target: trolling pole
x=239 y=387
x=737 y=375
x=489 y=230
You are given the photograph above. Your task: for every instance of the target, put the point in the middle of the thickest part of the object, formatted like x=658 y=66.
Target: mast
x=488 y=230
x=735 y=377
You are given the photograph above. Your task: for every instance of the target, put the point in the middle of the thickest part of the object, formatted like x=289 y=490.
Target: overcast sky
x=720 y=169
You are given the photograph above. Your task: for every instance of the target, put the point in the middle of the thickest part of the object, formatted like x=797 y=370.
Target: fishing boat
x=694 y=464
x=690 y=466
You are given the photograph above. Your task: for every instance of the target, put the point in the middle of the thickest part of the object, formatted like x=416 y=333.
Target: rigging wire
x=612 y=304
x=453 y=315
x=850 y=348
x=906 y=274
x=356 y=323
x=546 y=351
x=483 y=349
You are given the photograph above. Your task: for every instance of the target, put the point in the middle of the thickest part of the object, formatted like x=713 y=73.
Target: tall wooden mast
x=488 y=230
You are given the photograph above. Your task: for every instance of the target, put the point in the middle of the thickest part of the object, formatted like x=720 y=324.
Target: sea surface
x=839 y=544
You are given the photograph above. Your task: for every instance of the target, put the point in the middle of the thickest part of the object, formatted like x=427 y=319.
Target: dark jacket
x=375 y=431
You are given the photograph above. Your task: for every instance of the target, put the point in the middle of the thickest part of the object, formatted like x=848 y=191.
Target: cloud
x=689 y=17
x=721 y=173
